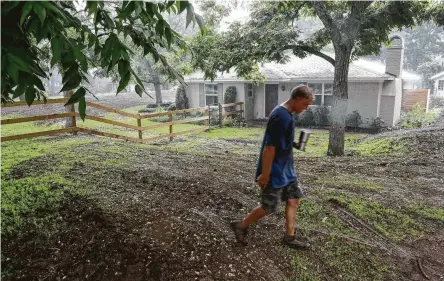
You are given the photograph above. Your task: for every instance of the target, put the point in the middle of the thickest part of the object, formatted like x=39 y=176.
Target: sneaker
x=291 y=242
x=239 y=232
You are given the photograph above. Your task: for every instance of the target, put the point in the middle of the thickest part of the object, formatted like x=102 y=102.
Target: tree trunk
x=340 y=97
x=156 y=82
x=68 y=123
x=158 y=92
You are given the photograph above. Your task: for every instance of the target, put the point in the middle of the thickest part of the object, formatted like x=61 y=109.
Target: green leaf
x=72 y=83
x=52 y=7
x=97 y=48
x=138 y=9
x=160 y=28
x=181 y=5
x=169 y=36
x=56 y=47
x=123 y=82
x=139 y=90
x=190 y=14
x=124 y=54
x=30 y=95
x=76 y=96
x=82 y=108
x=200 y=22
x=40 y=11
x=123 y=67
x=116 y=55
x=138 y=79
x=150 y=8
x=25 y=12
x=19 y=90
x=19 y=62
x=91 y=40
x=73 y=70
x=92 y=7
x=13 y=72
x=36 y=81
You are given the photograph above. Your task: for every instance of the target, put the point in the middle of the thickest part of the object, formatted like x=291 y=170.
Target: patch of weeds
x=382 y=146
x=236 y=133
x=313 y=216
x=347 y=181
x=15 y=152
x=305 y=269
x=391 y=223
x=421 y=209
x=353 y=261
x=32 y=202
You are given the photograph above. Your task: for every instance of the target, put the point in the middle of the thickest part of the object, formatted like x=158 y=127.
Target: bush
x=377 y=124
x=306 y=118
x=182 y=101
x=353 y=120
x=230 y=94
x=172 y=107
x=322 y=116
x=417 y=117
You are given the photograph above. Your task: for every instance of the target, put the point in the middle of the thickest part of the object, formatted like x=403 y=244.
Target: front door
x=271 y=98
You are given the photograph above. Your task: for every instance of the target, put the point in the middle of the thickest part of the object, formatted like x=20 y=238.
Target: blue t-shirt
x=280 y=134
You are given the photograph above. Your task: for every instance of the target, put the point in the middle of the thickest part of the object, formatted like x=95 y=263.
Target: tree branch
x=323 y=14
x=359 y=7
x=312 y=51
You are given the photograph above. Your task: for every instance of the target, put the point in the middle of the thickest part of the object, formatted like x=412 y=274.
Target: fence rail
x=223 y=113
x=138 y=117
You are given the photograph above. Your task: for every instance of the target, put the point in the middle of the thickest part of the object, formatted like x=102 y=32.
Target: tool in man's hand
x=304 y=135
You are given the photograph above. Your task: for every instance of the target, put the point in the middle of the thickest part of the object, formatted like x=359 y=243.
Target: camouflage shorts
x=272 y=197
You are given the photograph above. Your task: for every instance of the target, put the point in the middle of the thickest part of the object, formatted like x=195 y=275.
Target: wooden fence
x=223 y=113
x=138 y=120
x=410 y=97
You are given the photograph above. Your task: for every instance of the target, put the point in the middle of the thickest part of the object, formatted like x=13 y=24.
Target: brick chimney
x=395 y=56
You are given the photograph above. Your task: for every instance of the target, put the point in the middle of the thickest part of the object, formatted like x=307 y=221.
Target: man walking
x=275 y=170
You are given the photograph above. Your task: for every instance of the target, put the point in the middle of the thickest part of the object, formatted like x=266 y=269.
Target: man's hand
x=262 y=181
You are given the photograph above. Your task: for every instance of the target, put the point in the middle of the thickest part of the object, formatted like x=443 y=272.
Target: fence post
x=209 y=118
x=73 y=118
x=221 y=122
x=139 y=124
x=170 y=119
x=242 y=110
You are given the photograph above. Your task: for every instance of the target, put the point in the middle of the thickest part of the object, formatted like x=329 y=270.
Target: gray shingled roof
x=311 y=67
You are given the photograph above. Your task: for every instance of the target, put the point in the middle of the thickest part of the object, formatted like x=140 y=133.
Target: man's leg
x=292 y=194
x=255 y=215
x=290 y=215
x=271 y=199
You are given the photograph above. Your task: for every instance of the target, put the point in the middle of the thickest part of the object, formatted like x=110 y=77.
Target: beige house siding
x=386 y=110
x=259 y=102
x=392 y=89
x=363 y=97
x=192 y=91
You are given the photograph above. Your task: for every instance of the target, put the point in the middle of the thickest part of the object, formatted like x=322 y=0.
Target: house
x=374 y=90
x=438 y=88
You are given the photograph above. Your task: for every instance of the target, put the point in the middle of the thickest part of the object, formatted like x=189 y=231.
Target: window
x=211 y=94
x=323 y=93
x=250 y=90
x=317 y=91
x=328 y=94
x=441 y=85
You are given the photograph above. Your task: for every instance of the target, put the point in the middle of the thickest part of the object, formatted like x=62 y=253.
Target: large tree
x=354 y=28
x=73 y=34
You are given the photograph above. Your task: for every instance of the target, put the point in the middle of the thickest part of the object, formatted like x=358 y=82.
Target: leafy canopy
x=28 y=26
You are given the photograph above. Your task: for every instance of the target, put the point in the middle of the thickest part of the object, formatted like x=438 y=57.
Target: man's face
x=302 y=104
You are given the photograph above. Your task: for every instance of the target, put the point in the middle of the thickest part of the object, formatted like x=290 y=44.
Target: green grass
x=382 y=146
x=421 y=209
x=32 y=202
x=254 y=134
x=391 y=223
x=347 y=181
